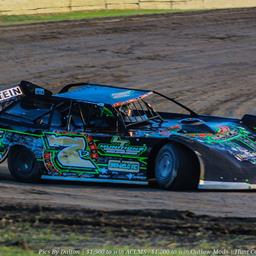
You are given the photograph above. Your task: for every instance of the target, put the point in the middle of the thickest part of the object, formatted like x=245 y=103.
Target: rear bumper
x=222 y=185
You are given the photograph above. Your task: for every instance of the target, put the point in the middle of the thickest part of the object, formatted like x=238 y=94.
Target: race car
x=101 y=133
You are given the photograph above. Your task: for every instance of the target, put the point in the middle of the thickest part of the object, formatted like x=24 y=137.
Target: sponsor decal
x=69 y=174
x=139 y=177
x=103 y=171
x=10 y=93
x=87 y=175
x=39 y=91
x=104 y=176
x=237 y=141
x=123 y=166
x=120 y=95
x=119 y=146
x=246 y=155
x=130 y=176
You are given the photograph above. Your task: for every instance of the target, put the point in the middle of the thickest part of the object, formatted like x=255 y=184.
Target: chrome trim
x=225 y=185
x=48 y=177
x=201 y=164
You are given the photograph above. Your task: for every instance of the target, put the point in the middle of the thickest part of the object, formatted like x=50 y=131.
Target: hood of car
x=220 y=134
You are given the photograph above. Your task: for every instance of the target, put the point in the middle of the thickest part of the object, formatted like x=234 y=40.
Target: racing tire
x=23 y=165
x=175 y=168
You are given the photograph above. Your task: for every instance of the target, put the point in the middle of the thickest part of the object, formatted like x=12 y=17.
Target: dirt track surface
x=133 y=228
x=116 y=198
x=207 y=60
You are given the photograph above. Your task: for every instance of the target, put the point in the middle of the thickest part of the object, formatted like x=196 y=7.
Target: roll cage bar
x=194 y=114
x=85 y=120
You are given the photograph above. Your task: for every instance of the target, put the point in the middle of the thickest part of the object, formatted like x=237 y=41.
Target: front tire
x=23 y=165
x=175 y=168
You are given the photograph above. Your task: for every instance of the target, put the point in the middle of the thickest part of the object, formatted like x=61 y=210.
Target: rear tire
x=23 y=165
x=175 y=168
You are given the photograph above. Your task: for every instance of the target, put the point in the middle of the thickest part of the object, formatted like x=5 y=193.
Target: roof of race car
x=94 y=93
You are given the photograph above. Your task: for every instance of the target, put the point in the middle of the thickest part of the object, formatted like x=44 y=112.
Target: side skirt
x=47 y=177
x=225 y=185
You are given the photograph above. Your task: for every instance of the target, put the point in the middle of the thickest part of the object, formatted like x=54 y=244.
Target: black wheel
x=176 y=168
x=23 y=165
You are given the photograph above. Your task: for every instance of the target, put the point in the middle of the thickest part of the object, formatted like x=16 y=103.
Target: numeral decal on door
x=69 y=151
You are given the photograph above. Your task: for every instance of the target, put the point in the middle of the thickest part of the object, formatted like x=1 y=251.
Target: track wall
x=9 y=7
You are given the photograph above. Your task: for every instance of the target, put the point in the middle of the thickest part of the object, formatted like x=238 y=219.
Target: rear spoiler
x=23 y=89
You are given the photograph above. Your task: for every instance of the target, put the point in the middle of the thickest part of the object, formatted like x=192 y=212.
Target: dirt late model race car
x=100 y=133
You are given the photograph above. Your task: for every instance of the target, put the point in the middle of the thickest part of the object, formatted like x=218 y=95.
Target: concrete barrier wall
x=8 y=7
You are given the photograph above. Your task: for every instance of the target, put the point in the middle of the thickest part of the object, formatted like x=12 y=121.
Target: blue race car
x=100 y=133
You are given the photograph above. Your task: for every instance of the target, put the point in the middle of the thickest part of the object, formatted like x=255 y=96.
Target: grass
x=13 y=251
x=121 y=251
x=79 y=15
x=30 y=239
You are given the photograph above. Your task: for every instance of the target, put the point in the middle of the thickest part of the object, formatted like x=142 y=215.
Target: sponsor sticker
x=10 y=93
x=120 y=95
x=119 y=146
x=123 y=166
x=39 y=91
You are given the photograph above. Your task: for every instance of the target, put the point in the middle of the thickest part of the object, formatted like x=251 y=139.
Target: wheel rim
x=166 y=164
x=24 y=162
